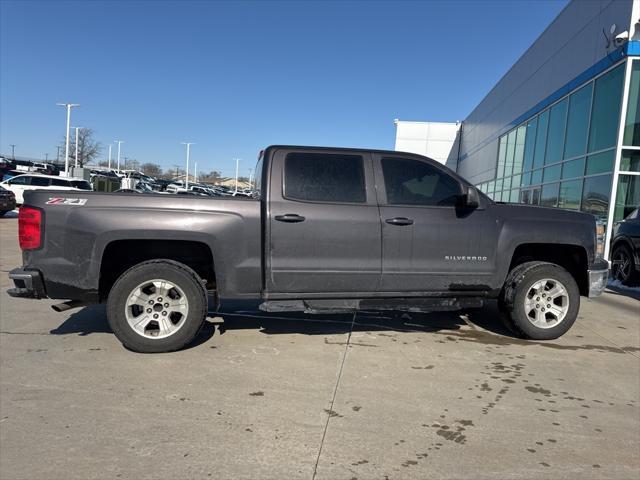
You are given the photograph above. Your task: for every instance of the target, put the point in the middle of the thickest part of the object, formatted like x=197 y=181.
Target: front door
x=429 y=243
x=324 y=224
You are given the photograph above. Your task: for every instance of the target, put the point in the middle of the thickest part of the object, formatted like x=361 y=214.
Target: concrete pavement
x=341 y=397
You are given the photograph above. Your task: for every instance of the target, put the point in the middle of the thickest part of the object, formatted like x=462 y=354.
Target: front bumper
x=28 y=284
x=597 y=282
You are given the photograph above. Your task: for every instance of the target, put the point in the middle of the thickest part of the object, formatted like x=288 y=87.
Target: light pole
x=188 y=144
x=77 y=150
x=66 y=148
x=109 y=164
x=195 y=171
x=118 y=142
x=237 y=167
x=13 y=151
x=46 y=158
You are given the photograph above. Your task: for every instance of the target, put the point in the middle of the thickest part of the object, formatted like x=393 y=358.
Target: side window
x=39 y=181
x=19 y=181
x=257 y=181
x=58 y=182
x=323 y=177
x=412 y=182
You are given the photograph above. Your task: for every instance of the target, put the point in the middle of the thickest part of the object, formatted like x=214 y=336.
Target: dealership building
x=562 y=127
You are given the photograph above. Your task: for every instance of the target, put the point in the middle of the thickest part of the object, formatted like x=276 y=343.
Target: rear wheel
x=623 y=266
x=540 y=301
x=157 y=306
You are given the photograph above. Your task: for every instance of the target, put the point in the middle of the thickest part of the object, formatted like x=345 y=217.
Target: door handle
x=290 y=218
x=399 y=221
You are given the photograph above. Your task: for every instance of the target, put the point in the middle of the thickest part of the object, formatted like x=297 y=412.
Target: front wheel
x=540 y=301
x=157 y=306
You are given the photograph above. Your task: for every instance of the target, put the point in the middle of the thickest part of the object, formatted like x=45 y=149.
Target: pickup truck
x=327 y=230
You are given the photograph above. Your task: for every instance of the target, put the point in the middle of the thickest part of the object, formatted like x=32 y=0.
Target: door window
x=412 y=182
x=39 y=181
x=323 y=177
x=19 y=181
x=58 y=182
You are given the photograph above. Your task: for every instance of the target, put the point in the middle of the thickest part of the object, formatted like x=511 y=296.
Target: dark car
x=625 y=249
x=7 y=201
x=328 y=230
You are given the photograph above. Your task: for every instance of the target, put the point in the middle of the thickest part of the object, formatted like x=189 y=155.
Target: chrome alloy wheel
x=621 y=265
x=546 y=303
x=156 y=309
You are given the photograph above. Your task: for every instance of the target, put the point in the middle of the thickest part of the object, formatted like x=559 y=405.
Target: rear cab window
x=81 y=184
x=324 y=177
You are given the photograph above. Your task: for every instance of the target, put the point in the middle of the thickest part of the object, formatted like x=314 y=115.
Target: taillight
x=29 y=228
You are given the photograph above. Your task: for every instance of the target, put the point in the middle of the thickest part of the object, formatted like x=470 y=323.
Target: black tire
x=519 y=283
x=179 y=275
x=623 y=266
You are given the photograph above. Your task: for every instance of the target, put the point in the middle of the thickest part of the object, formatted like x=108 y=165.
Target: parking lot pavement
x=427 y=396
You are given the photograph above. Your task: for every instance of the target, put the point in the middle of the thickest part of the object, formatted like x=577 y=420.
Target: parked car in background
x=625 y=249
x=21 y=183
x=7 y=201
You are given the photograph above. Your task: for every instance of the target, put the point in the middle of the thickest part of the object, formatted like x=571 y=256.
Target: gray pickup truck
x=328 y=230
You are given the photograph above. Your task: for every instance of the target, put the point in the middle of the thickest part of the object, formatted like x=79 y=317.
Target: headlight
x=600 y=234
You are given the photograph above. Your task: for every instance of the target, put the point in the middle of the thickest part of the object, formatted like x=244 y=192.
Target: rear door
x=323 y=223
x=429 y=243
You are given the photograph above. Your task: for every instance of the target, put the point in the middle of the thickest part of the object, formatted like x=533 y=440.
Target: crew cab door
x=323 y=232
x=430 y=243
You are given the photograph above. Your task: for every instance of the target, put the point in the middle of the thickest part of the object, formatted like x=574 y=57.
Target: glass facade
x=564 y=156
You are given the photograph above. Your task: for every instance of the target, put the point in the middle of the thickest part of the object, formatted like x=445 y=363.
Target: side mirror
x=470 y=197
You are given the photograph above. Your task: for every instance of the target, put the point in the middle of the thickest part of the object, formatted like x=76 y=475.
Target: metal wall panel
x=572 y=44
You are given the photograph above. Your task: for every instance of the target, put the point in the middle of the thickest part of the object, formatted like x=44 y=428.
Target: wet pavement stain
x=332 y=413
x=257 y=394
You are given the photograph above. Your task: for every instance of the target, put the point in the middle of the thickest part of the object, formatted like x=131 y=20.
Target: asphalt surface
x=341 y=397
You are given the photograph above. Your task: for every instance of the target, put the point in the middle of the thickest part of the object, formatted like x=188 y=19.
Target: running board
x=388 y=304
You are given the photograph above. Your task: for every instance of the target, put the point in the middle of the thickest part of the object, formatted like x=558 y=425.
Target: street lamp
x=66 y=148
x=118 y=142
x=188 y=144
x=110 y=156
x=77 y=150
x=237 y=166
x=13 y=151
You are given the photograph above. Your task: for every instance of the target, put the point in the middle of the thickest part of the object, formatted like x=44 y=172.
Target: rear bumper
x=28 y=284
x=597 y=282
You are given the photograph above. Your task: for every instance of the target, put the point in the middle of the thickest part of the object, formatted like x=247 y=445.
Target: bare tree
x=212 y=177
x=151 y=169
x=88 y=147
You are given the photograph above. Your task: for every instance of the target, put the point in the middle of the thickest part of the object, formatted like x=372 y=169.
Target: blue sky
x=235 y=77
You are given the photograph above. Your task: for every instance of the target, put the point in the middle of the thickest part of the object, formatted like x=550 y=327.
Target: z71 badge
x=66 y=201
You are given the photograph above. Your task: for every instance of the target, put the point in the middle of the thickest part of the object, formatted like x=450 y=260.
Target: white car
x=20 y=183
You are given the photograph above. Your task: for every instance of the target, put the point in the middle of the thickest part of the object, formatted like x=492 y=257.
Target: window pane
x=535 y=196
x=499 y=184
x=555 y=138
x=321 y=177
x=58 y=182
x=526 y=179
x=551 y=174
x=529 y=144
x=630 y=161
x=632 y=125
x=411 y=182
x=549 y=196
x=511 y=147
x=525 y=196
x=518 y=156
x=513 y=198
x=570 y=194
x=502 y=154
x=81 y=184
x=536 y=177
x=628 y=196
x=506 y=184
x=516 y=181
x=605 y=113
x=600 y=163
x=541 y=139
x=578 y=122
x=39 y=181
x=595 y=195
x=573 y=168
